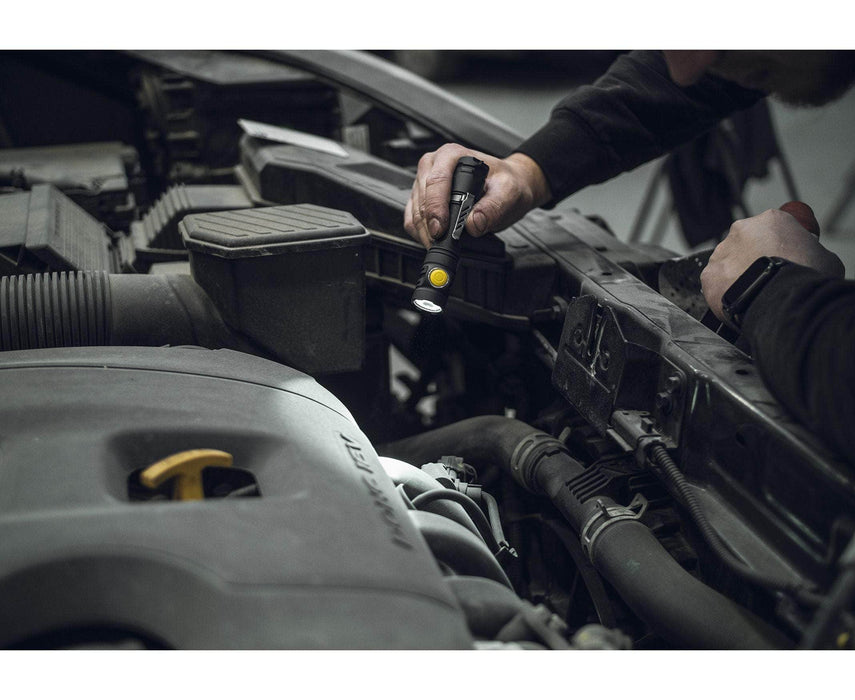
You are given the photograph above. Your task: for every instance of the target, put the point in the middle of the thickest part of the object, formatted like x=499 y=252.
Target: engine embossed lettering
x=381 y=501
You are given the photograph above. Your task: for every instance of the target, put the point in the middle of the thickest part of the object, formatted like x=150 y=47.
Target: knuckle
x=426 y=161
x=492 y=208
x=435 y=178
x=450 y=149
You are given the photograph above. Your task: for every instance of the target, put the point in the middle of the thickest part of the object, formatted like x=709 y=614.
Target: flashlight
x=441 y=260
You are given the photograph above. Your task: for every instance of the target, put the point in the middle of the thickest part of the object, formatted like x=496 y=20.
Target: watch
x=738 y=297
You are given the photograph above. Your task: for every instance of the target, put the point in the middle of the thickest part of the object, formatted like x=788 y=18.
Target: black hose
x=451 y=543
x=54 y=310
x=669 y=468
x=471 y=508
x=485 y=439
x=677 y=606
x=76 y=309
x=494 y=519
x=413 y=482
x=671 y=601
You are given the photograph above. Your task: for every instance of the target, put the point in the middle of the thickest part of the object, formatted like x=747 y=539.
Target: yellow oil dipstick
x=186 y=468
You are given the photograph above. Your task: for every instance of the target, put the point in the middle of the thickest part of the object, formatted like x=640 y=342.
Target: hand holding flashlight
x=440 y=265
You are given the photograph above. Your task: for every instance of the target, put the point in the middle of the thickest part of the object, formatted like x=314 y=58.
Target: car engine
x=224 y=426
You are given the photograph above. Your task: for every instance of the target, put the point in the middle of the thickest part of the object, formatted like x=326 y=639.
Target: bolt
x=664 y=402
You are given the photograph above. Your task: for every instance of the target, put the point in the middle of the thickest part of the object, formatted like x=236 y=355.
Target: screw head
x=664 y=402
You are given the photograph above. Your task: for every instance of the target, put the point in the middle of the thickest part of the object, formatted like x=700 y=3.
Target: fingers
x=435 y=189
x=514 y=186
x=487 y=215
x=774 y=233
x=426 y=213
x=802 y=213
x=414 y=222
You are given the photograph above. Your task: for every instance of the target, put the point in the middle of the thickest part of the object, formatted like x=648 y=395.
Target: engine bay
x=203 y=252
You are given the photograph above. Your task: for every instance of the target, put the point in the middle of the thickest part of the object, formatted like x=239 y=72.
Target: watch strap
x=738 y=297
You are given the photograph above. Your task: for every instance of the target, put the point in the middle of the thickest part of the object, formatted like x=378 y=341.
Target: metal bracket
x=636 y=431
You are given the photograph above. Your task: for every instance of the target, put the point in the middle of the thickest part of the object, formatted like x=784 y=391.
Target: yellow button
x=438 y=277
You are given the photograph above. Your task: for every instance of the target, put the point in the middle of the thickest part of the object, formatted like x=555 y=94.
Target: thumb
x=802 y=213
x=486 y=216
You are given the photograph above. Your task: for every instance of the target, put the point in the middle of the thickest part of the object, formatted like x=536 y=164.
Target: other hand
x=773 y=233
x=514 y=186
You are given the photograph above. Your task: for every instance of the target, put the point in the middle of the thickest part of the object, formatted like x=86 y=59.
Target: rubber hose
x=487 y=605
x=493 y=517
x=451 y=543
x=76 y=309
x=679 y=607
x=673 y=474
x=54 y=310
x=414 y=481
x=472 y=510
x=486 y=439
x=676 y=605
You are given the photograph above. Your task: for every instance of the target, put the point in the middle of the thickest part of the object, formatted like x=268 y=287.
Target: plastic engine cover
x=326 y=557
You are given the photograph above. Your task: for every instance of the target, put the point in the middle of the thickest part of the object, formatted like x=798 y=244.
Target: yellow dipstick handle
x=186 y=468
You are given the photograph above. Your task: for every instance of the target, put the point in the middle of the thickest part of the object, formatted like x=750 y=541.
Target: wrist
x=530 y=173
x=737 y=299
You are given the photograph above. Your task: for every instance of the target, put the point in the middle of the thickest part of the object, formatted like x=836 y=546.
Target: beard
x=803 y=78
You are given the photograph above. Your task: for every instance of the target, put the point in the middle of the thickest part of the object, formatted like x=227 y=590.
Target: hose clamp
x=528 y=452
x=606 y=516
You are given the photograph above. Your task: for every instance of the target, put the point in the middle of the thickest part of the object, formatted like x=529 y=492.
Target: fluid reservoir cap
x=246 y=233
x=438 y=277
x=186 y=469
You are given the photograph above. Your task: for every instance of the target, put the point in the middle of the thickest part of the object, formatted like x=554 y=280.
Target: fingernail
x=435 y=228
x=479 y=221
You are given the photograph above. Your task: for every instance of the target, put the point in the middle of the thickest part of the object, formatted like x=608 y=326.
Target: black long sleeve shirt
x=802 y=325
x=631 y=115
x=801 y=328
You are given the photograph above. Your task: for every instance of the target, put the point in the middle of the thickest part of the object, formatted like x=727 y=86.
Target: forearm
x=802 y=333
x=631 y=115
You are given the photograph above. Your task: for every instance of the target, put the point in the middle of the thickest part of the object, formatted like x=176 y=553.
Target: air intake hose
x=681 y=609
x=73 y=309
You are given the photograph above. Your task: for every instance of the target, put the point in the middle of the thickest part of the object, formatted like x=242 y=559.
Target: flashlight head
x=427 y=305
x=437 y=276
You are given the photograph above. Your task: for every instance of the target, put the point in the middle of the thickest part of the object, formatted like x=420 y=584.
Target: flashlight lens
x=438 y=277
x=427 y=305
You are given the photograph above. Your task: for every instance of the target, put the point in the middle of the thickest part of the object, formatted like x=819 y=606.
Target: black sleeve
x=802 y=333
x=632 y=114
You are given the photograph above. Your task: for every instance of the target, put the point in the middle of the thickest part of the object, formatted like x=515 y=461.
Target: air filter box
x=43 y=230
x=291 y=278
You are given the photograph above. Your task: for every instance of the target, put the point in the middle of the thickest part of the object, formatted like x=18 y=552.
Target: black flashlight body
x=440 y=264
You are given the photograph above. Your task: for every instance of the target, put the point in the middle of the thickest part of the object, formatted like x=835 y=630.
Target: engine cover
x=326 y=557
